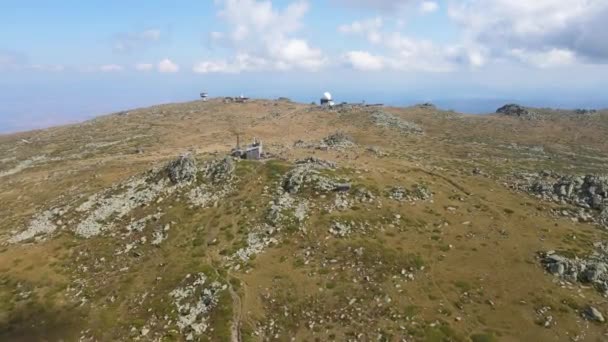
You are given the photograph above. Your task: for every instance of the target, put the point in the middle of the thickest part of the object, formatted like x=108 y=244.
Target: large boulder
x=183 y=169
x=516 y=110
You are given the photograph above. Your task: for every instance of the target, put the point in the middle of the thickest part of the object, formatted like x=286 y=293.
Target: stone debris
x=343 y=229
x=220 y=170
x=592 y=270
x=182 y=170
x=307 y=173
x=589 y=193
x=219 y=175
x=140 y=225
x=517 y=111
x=338 y=140
x=340 y=229
x=160 y=235
x=257 y=240
x=383 y=119
x=101 y=212
x=282 y=203
x=135 y=193
x=194 y=303
x=41 y=224
x=419 y=192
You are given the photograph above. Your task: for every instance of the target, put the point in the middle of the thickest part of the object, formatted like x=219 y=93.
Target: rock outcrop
x=518 y=111
x=182 y=170
x=591 y=270
x=589 y=192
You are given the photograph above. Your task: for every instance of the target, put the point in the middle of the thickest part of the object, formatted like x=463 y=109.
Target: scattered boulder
x=593 y=314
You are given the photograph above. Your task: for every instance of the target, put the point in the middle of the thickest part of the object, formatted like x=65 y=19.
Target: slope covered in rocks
x=362 y=224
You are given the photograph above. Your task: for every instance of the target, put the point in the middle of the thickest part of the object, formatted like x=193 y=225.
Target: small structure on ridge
x=254 y=151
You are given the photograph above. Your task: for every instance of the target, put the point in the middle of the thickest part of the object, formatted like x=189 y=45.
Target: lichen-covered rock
x=220 y=170
x=193 y=302
x=40 y=225
x=182 y=170
x=258 y=239
x=419 y=192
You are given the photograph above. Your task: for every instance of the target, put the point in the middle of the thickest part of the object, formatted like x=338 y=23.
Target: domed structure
x=326 y=100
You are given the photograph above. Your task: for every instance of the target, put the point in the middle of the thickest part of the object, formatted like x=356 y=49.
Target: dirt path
x=237 y=313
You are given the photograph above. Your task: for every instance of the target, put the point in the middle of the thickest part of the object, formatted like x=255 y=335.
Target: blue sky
x=65 y=61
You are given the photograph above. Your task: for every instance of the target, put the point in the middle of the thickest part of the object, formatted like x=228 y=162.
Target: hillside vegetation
x=362 y=224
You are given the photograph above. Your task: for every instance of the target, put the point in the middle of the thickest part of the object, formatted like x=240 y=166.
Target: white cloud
x=365 y=61
x=406 y=53
x=262 y=37
x=428 y=6
x=131 y=41
x=167 y=66
x=574 y=29
x=110 y=68
x=144 y=66
x=545 y=59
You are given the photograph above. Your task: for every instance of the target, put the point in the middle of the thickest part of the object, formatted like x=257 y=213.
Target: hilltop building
x=327 y=100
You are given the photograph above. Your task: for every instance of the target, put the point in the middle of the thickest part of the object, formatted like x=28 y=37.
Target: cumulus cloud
x=132 y=41
x=406 y=53
x=262 y=37
x=144 y=66
x=167 y=66
x=560 y=30
x=110 y=68
x=365 y=61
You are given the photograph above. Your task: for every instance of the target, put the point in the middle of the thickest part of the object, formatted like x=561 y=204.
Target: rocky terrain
x=363 y=223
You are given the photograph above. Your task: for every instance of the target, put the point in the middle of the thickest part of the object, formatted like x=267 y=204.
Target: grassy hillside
x=100 y=241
